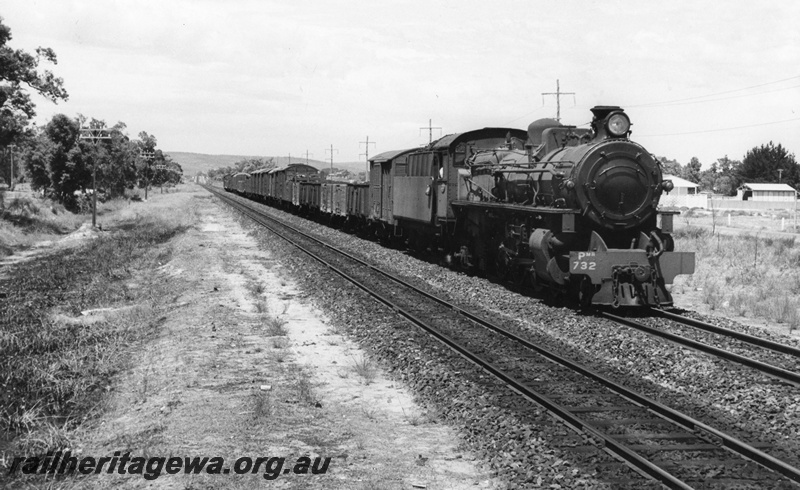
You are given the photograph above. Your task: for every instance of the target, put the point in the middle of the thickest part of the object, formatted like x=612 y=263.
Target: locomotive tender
x=558 y=207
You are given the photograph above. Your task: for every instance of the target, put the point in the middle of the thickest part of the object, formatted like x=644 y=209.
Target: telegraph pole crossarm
x=95 y=135
x=558 y=93
x=430 y=127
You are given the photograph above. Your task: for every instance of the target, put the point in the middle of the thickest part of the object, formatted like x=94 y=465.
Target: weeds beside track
x=56 y=363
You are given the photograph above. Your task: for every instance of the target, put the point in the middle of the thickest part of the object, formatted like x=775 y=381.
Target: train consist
x=573 y=210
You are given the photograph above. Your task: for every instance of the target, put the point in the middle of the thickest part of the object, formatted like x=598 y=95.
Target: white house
x=765 y=192
x=684 y=194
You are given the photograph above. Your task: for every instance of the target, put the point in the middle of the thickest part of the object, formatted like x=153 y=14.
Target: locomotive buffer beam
x=624 y=274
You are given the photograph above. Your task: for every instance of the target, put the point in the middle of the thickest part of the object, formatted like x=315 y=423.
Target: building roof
x=767 y=187
x=679 y=182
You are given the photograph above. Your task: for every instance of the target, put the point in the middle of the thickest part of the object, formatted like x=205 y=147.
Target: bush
x=691 y=232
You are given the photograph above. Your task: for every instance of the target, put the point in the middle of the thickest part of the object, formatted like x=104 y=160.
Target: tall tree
x=37 y=156
x=762 y=164
x=69 y=170
x=19 y=71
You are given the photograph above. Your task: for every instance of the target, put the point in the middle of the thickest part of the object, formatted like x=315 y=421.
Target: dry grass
x=365 y=369
x=745 y=275
x=57 y=363
x=275 y=326
x=25 y=222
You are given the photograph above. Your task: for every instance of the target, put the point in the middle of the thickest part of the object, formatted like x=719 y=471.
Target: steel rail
x=579 y=425
x=738 y=447
x=750 y=339
x=774 y=371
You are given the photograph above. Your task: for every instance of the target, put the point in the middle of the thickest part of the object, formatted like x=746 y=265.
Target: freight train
x=558 y=207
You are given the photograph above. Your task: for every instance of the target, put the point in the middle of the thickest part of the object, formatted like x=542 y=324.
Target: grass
x=745 y=275
x=24 y=222
x=275 y=326
x=262 y=404
x=257 y=288
x=365 y=369
x=261 y=306
x=56 y=364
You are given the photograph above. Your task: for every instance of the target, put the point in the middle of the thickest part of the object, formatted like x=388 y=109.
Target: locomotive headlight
x=667 y=185
x=618 y=124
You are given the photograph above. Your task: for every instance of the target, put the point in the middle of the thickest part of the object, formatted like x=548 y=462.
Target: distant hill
x=191 y=163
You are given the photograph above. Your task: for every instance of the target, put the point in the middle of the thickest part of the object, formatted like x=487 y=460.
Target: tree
x=726 y=185
x=68 y=168
x=671 y=167
x=37 y=155
x=761 y=164
x=720 y=178
x=62 y=163
x=19 y=70
x=166 y=171
x=691 y=171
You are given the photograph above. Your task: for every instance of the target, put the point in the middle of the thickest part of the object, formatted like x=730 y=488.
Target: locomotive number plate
x=586 y=262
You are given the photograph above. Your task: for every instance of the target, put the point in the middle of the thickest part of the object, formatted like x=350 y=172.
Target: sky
x=279 y=78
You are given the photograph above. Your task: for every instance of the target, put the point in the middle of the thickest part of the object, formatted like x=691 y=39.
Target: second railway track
x=671 y=447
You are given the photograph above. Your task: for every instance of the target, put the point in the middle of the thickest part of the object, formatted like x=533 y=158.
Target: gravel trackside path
x=245 y=366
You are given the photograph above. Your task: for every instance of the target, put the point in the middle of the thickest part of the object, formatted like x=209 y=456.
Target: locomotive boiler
x=575 y=209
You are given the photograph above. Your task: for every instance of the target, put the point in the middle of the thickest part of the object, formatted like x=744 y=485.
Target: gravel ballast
x=726 y=396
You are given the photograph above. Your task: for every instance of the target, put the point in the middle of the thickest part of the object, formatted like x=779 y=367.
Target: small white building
x=683 y=187
x=765 y=192
x=685 y=194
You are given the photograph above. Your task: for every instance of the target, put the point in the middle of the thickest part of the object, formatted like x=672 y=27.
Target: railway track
x=780 y=361
x=672 y=447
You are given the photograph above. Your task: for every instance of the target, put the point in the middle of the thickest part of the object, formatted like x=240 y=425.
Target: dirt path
x=244 y=367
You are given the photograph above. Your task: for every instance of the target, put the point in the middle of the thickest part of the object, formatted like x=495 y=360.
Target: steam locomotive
x=558 y=207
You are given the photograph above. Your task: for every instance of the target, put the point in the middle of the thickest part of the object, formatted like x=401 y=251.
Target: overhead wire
x=719 y=129
x=689 y=99
x=694 y=100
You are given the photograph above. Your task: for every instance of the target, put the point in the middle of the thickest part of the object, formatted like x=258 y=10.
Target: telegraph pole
x=11 y=156
x=430 y=129
x=94 y=135
x=366 y=154
x=331 y=150
x=148 y=155
x=558 y=93
x=307 y=156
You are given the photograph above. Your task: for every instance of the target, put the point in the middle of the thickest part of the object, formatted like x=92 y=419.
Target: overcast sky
x=256 y=77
